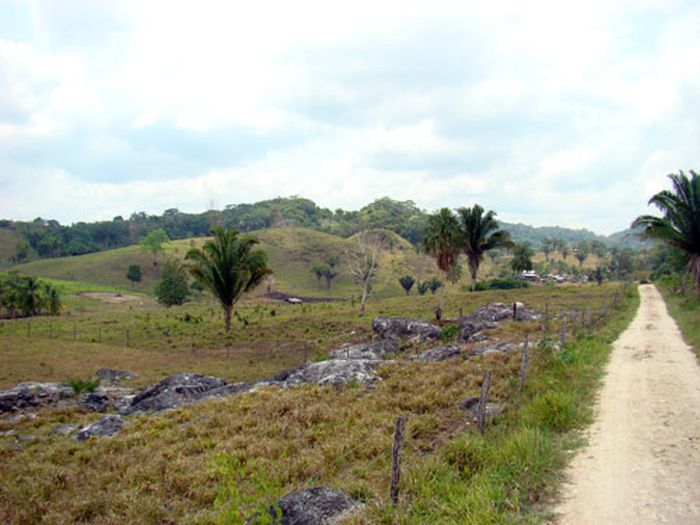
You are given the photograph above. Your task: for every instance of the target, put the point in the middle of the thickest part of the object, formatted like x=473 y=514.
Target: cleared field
x=219 y=461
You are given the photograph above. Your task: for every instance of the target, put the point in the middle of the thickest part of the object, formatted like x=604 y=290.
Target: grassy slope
x=213 y=461
x=291 y=251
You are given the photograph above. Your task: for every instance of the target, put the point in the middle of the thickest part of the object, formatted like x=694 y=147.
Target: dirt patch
x=642 y=464
x=113 y=298
x=281 y=296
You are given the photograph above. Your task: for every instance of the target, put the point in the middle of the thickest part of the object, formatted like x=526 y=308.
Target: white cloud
x=549 y=112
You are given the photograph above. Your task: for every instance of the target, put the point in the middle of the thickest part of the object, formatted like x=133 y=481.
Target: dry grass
x=220 y=460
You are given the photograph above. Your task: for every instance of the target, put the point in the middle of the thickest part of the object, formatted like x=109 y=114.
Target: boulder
x=440 y=353
x=111 y=376
x=312 y=506
x=489 y=316
x=495 y=348
x=107 y=426
x=403 y=328
x=375 y=350
x=97 y=401
x=30 y=395
x=180 y=389
x=331 y=372
x=471 y=405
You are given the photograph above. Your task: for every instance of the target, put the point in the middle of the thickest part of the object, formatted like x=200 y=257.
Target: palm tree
x=228 y=266
x=441 y=238
x=680 y=225
x=479 y=234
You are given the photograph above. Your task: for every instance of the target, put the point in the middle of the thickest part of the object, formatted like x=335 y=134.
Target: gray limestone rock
x=403 y=328
x=30 y=395
x=440 y=353
x=107 y=426
x=313 y=506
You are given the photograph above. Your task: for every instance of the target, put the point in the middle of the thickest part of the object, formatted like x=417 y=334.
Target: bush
x=497 y=284
x=80 y=385
x=172 y=288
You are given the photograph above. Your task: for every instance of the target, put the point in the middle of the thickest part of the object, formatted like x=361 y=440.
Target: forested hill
x=47 y=238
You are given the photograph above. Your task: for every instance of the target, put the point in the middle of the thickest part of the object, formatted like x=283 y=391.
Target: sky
x=548 y=112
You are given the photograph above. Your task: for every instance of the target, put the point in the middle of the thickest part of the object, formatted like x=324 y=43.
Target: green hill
x=291 y=251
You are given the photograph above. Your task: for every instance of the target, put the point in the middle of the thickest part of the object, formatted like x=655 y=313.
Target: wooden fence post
x=563 y=331
x=515 y=311
x=127 y=338
x=483 y=399
x=524 y=363
x=396 y=459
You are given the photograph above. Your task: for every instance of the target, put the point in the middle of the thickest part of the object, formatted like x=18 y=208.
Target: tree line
x=49 y=238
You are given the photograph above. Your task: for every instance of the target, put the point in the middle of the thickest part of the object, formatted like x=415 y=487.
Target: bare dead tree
x=363 y=263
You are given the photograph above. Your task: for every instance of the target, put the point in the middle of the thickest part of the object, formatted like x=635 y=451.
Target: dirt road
x=642 y=463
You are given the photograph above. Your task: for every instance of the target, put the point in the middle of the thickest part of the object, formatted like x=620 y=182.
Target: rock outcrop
x=32 y=395
x=180 y=389
x=403 y=328
x=107 y=426
x=376 y=350
x=440 y=353
x=330 y=372
x=313 y=506
x=489 y=316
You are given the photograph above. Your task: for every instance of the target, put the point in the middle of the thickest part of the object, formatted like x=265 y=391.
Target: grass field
x=221 y=460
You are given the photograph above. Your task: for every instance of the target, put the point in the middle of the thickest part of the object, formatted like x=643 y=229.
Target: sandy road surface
x=642 y=464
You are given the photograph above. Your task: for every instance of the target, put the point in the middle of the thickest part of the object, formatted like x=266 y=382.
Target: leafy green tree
x=598 y=248
x=442 y=238
x=522 y=257
x=563 y=248
x=153 y=243
x=454 y=273
x=134 y=273
x=581 y=251
x=407 y=283
x=423 y=287
x=680 y=224
x=319 y=270
x=434 y=284
x=228 y=266
x=548 y=246
x=172 y=289
x=479 y=234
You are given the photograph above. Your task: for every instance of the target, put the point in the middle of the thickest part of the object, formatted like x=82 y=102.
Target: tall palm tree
x=680 y=225
x=480 y=233
x=228 y=266
x=442 y=237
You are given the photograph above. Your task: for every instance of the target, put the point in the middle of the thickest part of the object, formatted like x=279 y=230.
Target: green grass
x=685 y=309
x=505 y=476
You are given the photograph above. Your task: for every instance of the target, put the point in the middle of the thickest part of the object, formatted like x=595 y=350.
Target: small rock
x=496 y=348
x=440 y=353
x=97 y=401
x=107 y=426
x=313 y=506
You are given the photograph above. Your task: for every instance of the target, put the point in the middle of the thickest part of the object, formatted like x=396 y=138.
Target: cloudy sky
x=566 y=113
